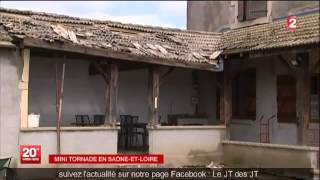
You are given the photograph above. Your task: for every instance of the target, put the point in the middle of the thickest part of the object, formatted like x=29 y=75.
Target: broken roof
x=165 y=43
x=155 y=43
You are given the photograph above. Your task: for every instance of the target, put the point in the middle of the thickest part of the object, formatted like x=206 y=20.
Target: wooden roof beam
x=108 y=53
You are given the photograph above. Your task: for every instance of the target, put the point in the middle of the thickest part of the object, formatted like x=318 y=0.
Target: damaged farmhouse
x=237 y=88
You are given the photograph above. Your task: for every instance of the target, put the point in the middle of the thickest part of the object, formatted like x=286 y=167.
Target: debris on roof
x=166 y=43
x=67 y=34
x=169 y=44
x=4 y=35
x=215 y=54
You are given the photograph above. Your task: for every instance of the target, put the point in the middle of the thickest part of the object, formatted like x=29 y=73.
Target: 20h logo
x=30 y=154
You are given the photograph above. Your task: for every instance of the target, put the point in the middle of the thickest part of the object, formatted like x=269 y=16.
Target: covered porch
x=273 y=95
x=273 y=118
x=153 y=75
x=169 y=100
x=178 y=107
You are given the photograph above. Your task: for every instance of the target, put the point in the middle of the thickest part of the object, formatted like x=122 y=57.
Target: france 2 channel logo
x=30 y=154
x=291 y=23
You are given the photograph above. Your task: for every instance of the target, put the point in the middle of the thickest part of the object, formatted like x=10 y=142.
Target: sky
x=156 y=13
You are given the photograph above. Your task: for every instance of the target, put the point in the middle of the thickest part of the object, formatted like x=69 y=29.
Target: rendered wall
x=208 y=15
x=267 y=70
x=197 y=145
x=254 y=155
x=217 y=15
x=208 y=96
x=103 y=141
x=285 y=8
x=84 y=94
x=9 y=104
x=266 y=104
x=175 y=93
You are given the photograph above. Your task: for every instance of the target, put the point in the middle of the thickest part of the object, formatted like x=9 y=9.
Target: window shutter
x=256 y=9
x=240 y=11
x=286 y=98
x=244 y=95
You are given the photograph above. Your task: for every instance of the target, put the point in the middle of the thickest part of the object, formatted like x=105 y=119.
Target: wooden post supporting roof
x=23 y=86
x=106 y=77
x=113 y=92
x=111 y=95
x=153 y=95
x=226 y=98
x=303 y=98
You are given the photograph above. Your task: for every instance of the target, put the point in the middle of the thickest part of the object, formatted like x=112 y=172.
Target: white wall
x=133 y=93
x=197 y=145
x=103 y=141
x=9 y=103
x=266 y=104
x=208 y=98
x=83 y=94
x=176 y=93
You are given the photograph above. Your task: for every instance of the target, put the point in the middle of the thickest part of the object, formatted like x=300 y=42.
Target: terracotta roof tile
x=167 y=43
x=274 y=35
x=170 y=44
x=4 y=36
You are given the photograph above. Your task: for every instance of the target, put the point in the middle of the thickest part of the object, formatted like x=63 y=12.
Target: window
x=286 y=98
x=244 y=95
x=315 y=98
x=249 y=10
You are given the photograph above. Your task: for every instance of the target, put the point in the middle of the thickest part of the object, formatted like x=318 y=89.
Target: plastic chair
x=98 y=119
x=123 y=133
x=82 y=120
x=135 y=132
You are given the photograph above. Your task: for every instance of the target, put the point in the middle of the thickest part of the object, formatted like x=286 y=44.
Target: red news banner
x=105 y=159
